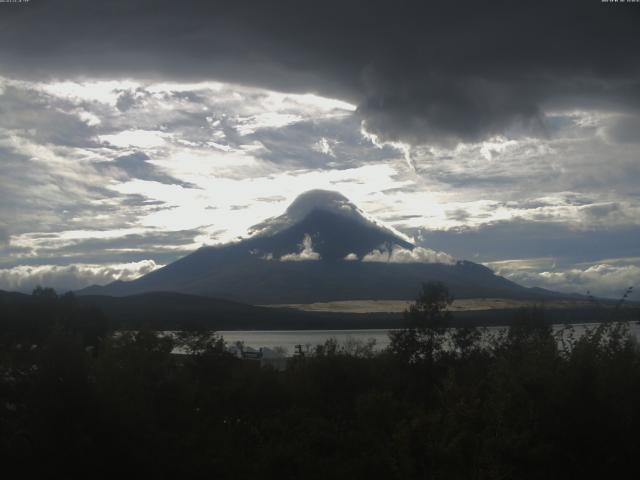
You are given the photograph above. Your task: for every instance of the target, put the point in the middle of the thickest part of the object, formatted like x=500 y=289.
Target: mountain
x=322 y=248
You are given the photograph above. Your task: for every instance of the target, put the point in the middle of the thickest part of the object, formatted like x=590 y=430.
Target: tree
x=426 y=323
x=44 y=292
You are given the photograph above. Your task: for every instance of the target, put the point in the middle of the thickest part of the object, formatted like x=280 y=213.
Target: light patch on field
x=398 y=306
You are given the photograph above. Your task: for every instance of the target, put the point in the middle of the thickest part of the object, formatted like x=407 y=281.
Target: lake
x=288 y=339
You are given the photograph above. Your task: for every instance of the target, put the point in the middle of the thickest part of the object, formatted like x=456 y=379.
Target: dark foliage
x=439 y=403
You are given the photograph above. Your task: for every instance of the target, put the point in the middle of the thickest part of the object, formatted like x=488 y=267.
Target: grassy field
x=462 y=305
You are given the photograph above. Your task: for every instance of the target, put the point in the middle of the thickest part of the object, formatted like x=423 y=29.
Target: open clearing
x=396 y=306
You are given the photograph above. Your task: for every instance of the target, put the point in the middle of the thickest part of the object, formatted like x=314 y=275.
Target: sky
x=134 y=132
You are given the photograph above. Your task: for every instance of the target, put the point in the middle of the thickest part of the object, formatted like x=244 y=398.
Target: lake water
x=288 y=339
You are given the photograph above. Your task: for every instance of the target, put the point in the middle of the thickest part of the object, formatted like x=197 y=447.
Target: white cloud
x=249 y=125
x=403 y=255
x=310 y=102
x=90 y=91
x=401 y=147
x=608 y=278
x=136 y=138
x=305 y=254
x=352 y=257
x=323 y=146
x=71 y=277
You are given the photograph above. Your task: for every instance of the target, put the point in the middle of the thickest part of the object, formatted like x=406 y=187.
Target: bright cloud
x=305 y=254
x=323 y=146
x=402 y=255
x=611 y=278
x=71 y=277
x=135 y=138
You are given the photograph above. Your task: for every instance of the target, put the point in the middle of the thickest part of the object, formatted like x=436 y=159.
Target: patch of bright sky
x=233 y=205
x=196 y=165
x=250 y=124
x=276 y=100
x=104 y=91
x=136 y=138
x=264 y=101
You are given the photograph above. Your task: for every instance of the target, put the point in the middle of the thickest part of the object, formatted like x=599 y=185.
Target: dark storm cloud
x=136 y=165
x=419 y=71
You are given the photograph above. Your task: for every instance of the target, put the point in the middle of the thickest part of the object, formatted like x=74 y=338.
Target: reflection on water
x=288 y=339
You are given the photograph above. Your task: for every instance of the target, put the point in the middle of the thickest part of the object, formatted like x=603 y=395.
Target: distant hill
x=177 y=311
x=318 y=251
x=168 y=310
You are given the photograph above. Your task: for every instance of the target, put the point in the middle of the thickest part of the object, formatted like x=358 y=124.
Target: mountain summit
x=322 y=248
x=328 y=201
x=322 y=225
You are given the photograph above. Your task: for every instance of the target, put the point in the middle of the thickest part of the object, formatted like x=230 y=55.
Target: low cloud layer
x=24 y=278
x=402 y=255
x=608 y=279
